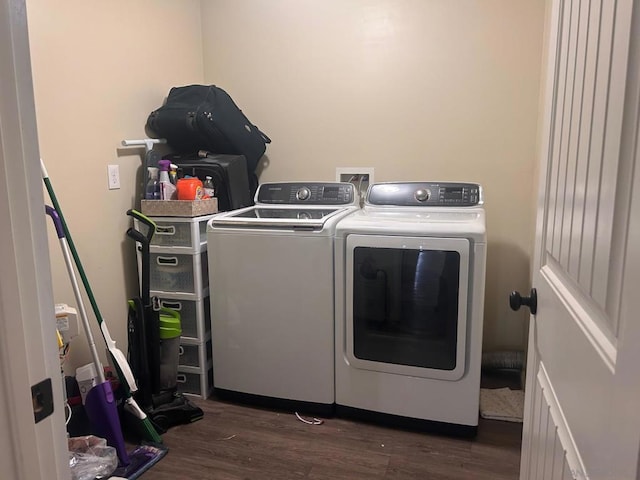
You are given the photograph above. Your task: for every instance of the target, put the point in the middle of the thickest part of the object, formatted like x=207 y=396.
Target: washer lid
x=283 y=216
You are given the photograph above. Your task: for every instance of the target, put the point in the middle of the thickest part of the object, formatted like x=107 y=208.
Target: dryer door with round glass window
x=406 y=305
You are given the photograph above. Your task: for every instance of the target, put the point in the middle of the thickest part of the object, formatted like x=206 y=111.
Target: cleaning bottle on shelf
x=209 y=191
x=152 y=190
x=167 y=189
x=173 y=173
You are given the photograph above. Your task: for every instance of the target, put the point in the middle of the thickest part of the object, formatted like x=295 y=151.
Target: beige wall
x=99 y=68
x=417 y=89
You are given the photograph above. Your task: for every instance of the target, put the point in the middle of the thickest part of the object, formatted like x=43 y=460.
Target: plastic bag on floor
x=90 y=457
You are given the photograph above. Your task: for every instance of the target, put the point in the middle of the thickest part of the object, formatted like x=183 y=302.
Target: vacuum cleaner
x=154 y=341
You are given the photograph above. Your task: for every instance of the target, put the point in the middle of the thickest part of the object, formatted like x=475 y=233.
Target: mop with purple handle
x=100 y=403
x=140 y=422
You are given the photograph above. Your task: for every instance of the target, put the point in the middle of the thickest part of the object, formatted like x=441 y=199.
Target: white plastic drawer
x=195 y=355
x=199 y=384
x=175 y=272
x=187 y=234
x=195 y=316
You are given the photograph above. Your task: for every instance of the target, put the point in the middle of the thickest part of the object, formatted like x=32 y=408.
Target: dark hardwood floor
x=235 y=442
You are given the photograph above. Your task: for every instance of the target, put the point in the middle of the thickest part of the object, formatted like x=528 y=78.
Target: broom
x=128 y=383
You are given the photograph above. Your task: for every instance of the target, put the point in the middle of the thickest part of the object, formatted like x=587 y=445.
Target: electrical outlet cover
x=114 y=177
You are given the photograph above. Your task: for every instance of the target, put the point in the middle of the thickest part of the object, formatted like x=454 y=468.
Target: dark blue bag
x=205 y=117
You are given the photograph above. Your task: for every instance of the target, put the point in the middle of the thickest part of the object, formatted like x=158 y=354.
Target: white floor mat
x=502 y=404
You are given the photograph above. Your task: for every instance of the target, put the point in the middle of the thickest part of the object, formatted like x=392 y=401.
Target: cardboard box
x=179 y=208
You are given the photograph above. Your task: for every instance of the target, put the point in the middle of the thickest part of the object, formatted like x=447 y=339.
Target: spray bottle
x=167 y=189
x=152 y=190
x=173 y=173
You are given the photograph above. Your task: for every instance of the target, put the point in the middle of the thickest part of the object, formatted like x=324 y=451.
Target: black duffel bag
x=205 y=117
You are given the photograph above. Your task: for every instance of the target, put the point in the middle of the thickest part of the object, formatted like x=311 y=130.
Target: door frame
x=28 y=349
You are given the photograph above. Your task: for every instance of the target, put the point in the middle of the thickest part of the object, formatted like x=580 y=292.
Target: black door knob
x=516 y=301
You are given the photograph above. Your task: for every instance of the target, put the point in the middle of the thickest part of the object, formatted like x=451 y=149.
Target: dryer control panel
x=427 y=194
x=306 y=193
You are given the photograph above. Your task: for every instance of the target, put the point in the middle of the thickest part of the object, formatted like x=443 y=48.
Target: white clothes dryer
x=410 y=276
x=271 y=281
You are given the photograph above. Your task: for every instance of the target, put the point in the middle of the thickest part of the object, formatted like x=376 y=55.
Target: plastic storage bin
x=199 y=384
x=194 y=355
x=195 y=315
x=186 y=235
x=175 y=272
x=179 y=277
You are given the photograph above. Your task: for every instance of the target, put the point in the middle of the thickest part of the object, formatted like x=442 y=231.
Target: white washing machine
x=410 y=276
x=271 y=277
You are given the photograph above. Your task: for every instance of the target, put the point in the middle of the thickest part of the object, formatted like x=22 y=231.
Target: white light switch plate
x=114 y=177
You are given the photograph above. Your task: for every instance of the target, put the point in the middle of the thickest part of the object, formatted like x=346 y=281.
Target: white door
x=582 y=407
x=28 y=350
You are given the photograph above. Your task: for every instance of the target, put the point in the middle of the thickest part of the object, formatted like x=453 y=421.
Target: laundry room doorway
x=582 y=396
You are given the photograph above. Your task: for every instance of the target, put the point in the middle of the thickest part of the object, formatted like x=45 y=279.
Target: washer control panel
x=306 y=193
x=428 y=194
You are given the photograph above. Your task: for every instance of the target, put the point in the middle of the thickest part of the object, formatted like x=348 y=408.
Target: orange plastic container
x=189 y=189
